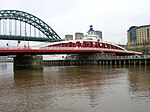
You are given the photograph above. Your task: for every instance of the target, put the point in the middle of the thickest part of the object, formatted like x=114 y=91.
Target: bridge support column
x=23 y=62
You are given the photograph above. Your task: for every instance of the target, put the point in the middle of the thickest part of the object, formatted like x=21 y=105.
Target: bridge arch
x=31 y=20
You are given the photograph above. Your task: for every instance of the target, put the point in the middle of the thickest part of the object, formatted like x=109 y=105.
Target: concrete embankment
x=97 y=62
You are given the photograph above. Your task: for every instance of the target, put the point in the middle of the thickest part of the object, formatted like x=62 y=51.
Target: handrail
x=57 y=48
x=64 y=49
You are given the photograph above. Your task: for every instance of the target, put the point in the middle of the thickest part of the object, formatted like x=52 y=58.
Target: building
x=78 y=35
x=68 y=37
x=139 y=37
x=132 y=34
x=5 y=59
x=99 y=33
x=91 y=31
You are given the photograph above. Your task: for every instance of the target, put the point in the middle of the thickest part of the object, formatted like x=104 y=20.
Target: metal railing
x=57 y=48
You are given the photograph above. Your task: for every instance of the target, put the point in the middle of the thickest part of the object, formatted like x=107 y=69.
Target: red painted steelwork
x=86 y=44
x=57 y=50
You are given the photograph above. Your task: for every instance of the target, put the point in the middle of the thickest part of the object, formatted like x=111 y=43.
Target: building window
x=148 y=34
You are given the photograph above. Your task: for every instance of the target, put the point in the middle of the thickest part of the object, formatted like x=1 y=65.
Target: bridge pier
x=28 y=62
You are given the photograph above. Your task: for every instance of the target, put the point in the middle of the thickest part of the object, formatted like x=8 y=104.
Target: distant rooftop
x=144 y=26
x=137 y=27
x=91 y=28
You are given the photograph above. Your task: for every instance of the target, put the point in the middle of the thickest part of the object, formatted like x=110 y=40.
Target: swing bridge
x=22 y=26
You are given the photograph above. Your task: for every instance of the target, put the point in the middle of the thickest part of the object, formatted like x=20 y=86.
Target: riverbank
x=136 y=61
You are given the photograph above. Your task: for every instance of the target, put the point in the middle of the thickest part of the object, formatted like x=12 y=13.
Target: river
x=75 y=89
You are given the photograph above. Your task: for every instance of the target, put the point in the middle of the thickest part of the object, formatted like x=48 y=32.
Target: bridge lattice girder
x=32 y=20
x=85 y=44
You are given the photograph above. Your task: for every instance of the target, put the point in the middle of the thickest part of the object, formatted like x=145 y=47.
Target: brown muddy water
x=75 y=89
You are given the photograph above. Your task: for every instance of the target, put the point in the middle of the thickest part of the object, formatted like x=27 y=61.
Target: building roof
x=132 y=27
x=91 y=29
x=138 y=27
x=144 y=26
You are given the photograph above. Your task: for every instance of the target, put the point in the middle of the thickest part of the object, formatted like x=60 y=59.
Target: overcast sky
x=112 y=17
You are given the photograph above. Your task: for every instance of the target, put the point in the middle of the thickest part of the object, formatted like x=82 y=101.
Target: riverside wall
x=137 y=61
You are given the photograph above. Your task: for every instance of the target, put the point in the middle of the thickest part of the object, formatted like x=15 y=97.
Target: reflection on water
x=139 y=82
x=75 y=89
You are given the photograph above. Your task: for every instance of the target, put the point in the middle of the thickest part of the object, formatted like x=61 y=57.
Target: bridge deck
x=61 y=50
x=28 y=38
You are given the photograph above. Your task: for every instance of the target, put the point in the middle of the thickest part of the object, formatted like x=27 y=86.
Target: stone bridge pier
x=28 y=62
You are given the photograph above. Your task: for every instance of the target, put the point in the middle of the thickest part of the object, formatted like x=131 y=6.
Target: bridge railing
x=65 y=48
x=56 y=48
x=9 y=48
x=68 y=48
x=52 y=48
